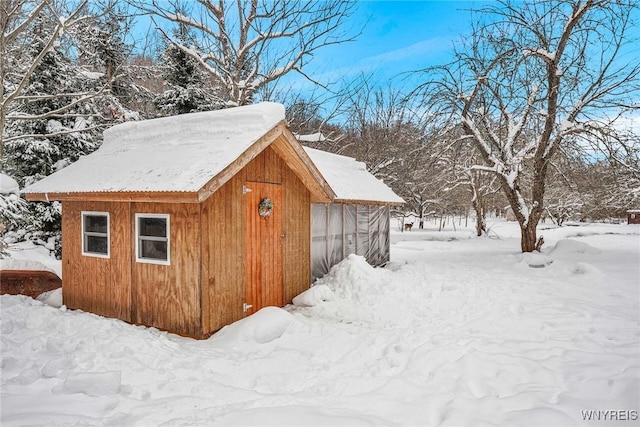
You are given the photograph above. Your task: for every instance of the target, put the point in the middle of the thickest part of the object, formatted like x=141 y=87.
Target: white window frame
x=139 y=238
x=84 y=233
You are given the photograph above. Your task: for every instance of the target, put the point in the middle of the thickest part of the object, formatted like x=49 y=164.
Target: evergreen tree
x=188 y=88
x=63 y=82
x=103 y=49
x=47 y=144
x=41 y=145
x=12 y=206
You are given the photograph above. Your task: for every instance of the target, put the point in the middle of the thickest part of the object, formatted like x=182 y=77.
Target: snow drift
x=457 y=332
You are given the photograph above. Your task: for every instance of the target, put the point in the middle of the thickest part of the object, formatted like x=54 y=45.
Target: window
x=95 y=234
x=152 y=238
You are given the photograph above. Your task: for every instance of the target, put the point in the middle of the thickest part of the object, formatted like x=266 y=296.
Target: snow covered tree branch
x=247 y=44
x=18 y=18
x=535 y=78
x=63 y=69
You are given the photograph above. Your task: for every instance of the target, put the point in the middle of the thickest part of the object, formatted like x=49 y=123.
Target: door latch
x=246 y=307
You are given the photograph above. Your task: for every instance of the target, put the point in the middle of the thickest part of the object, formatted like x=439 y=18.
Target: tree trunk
x=528 y=223
x=481 y=226
x=529 y=237
x=478 y=205
x=530 y=241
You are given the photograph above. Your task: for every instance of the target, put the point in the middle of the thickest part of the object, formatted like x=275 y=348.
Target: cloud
x=385 y=65
x=391 y=63
x=630 y=122
x=419 y=49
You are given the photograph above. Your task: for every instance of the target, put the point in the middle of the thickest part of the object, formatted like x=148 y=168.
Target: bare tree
x=314 y=118
x=456 y=180
x=247 y=44
x=385 y=130
x=479 y=183
x=534 y=78
x=606 y=190
x=564 y=199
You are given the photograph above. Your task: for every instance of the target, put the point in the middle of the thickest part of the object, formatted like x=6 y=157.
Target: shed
x=358 y=219
x=188 y=223
x=633 y=216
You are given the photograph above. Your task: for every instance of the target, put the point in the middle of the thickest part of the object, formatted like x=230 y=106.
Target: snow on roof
x=183 y=153
x=170 y=154
x=312 y=137
x=8 y=185
x=350 y=180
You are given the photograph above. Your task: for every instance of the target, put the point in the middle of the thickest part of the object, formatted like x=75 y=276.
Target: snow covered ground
x=457 y=330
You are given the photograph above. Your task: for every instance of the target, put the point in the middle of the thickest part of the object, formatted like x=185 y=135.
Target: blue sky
x=397 y=37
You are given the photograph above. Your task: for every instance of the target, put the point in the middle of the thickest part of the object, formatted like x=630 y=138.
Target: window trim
x=84 y=233
x=138 y=216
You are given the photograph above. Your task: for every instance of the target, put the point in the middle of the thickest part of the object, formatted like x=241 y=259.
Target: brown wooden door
x=264 y=247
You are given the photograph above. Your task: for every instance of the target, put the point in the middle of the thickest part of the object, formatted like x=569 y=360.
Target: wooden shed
x=633 y=216
x=188 y=223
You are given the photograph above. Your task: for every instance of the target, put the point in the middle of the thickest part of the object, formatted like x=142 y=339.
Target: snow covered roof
x=188 y=157
x=312 y=137
x=170 y=154
x=350 y=180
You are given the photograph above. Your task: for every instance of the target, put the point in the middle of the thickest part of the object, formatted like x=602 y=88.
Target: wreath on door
x=265 y=208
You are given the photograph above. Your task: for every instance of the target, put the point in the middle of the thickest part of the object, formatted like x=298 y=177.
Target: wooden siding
x=224 y=250
x=223 y=257
x=264 y=284
x=287 y=147
x=97 y=285
x=296 y=250
x=168 y=296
